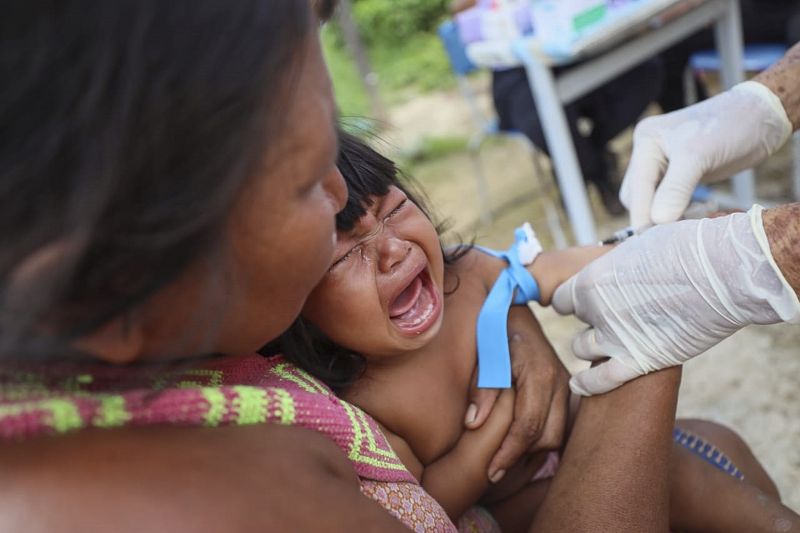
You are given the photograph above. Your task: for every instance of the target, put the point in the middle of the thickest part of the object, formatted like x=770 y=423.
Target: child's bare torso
x=421 y=397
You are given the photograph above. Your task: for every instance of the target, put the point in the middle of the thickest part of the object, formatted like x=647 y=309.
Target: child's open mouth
x=417 y=306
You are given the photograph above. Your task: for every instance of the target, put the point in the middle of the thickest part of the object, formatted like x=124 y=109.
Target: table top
x=621 y=24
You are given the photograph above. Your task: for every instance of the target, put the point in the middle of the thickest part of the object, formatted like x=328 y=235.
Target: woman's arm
x=614 y=472
x=192 y=480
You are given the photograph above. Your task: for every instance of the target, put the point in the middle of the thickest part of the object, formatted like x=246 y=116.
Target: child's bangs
x=367 y=175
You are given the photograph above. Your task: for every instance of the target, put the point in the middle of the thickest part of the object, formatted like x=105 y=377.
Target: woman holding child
x=169 y=192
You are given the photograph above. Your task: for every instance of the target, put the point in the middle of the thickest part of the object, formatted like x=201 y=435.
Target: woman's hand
x=542 y=393
x=185 y=480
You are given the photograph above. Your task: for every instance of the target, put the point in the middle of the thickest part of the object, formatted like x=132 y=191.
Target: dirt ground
x=749 y=382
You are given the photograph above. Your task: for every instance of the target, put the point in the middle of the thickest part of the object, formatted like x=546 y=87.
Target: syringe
x=624 y=234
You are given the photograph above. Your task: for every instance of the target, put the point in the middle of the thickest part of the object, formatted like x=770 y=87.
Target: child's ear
x=119 y=341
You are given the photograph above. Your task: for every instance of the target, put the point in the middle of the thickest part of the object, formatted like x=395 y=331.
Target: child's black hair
x=368 y=175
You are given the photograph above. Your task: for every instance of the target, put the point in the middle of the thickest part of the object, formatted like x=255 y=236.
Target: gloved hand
x=671 y=293
x=711 y=140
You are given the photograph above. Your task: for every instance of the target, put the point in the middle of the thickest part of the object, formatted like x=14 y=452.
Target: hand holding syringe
x=670 y=294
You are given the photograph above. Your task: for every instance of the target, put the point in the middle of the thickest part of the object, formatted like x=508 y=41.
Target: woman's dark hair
x=128 y=129
x=368 y=175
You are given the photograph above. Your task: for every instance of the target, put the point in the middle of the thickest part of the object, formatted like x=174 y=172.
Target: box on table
x=558 y=23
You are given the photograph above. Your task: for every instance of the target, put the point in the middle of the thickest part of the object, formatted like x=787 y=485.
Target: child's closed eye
x=397 y=209
x=344 y=258
x=349 y=253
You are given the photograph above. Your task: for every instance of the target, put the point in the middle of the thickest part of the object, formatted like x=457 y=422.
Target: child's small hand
x=458 y=478
x=481 y=444
x=552 y=268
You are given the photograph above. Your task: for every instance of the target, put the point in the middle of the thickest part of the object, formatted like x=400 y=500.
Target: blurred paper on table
x=560 y=22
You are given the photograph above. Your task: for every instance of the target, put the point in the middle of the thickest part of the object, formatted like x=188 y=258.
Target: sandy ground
x=749 y=382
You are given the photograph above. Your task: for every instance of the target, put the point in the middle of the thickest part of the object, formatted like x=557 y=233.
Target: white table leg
x=730 y=44
x=559 y=141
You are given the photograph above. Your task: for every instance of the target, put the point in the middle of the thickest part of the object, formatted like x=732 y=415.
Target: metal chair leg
x=484 y=202
x=689 y=86
x=553 y=215
x=546 y=189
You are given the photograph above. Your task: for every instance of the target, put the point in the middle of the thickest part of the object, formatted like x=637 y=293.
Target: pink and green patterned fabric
x=243 y=390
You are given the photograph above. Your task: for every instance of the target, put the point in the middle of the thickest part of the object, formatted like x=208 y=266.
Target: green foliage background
x=397 y=21
x=405 y=52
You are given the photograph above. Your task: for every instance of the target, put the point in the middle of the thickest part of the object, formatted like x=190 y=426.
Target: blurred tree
x=352 y=40
x=382 y=51
x=396 y=21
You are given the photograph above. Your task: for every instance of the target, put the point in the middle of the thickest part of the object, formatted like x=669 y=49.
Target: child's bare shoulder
x=478 y=266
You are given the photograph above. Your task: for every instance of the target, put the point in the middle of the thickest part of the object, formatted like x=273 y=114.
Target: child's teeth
x=425 y=314
x=420 y=311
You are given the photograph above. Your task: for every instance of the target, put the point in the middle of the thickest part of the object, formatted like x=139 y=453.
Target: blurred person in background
x=594 y=119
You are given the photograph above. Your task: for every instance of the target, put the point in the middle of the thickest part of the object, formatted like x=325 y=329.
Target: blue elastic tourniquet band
x=515 y=284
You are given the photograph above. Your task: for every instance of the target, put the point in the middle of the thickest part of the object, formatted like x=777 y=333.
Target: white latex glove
x=711 y=140
x=667 y=295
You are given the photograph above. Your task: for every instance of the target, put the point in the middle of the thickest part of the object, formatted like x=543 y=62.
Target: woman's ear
x=119 y=341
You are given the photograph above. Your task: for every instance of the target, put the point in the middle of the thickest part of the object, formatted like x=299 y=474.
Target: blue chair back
x=756 y=58
x=456 y=52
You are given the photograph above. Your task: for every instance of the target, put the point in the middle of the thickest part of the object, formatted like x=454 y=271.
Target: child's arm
x=459 y=478
x=552 y=268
